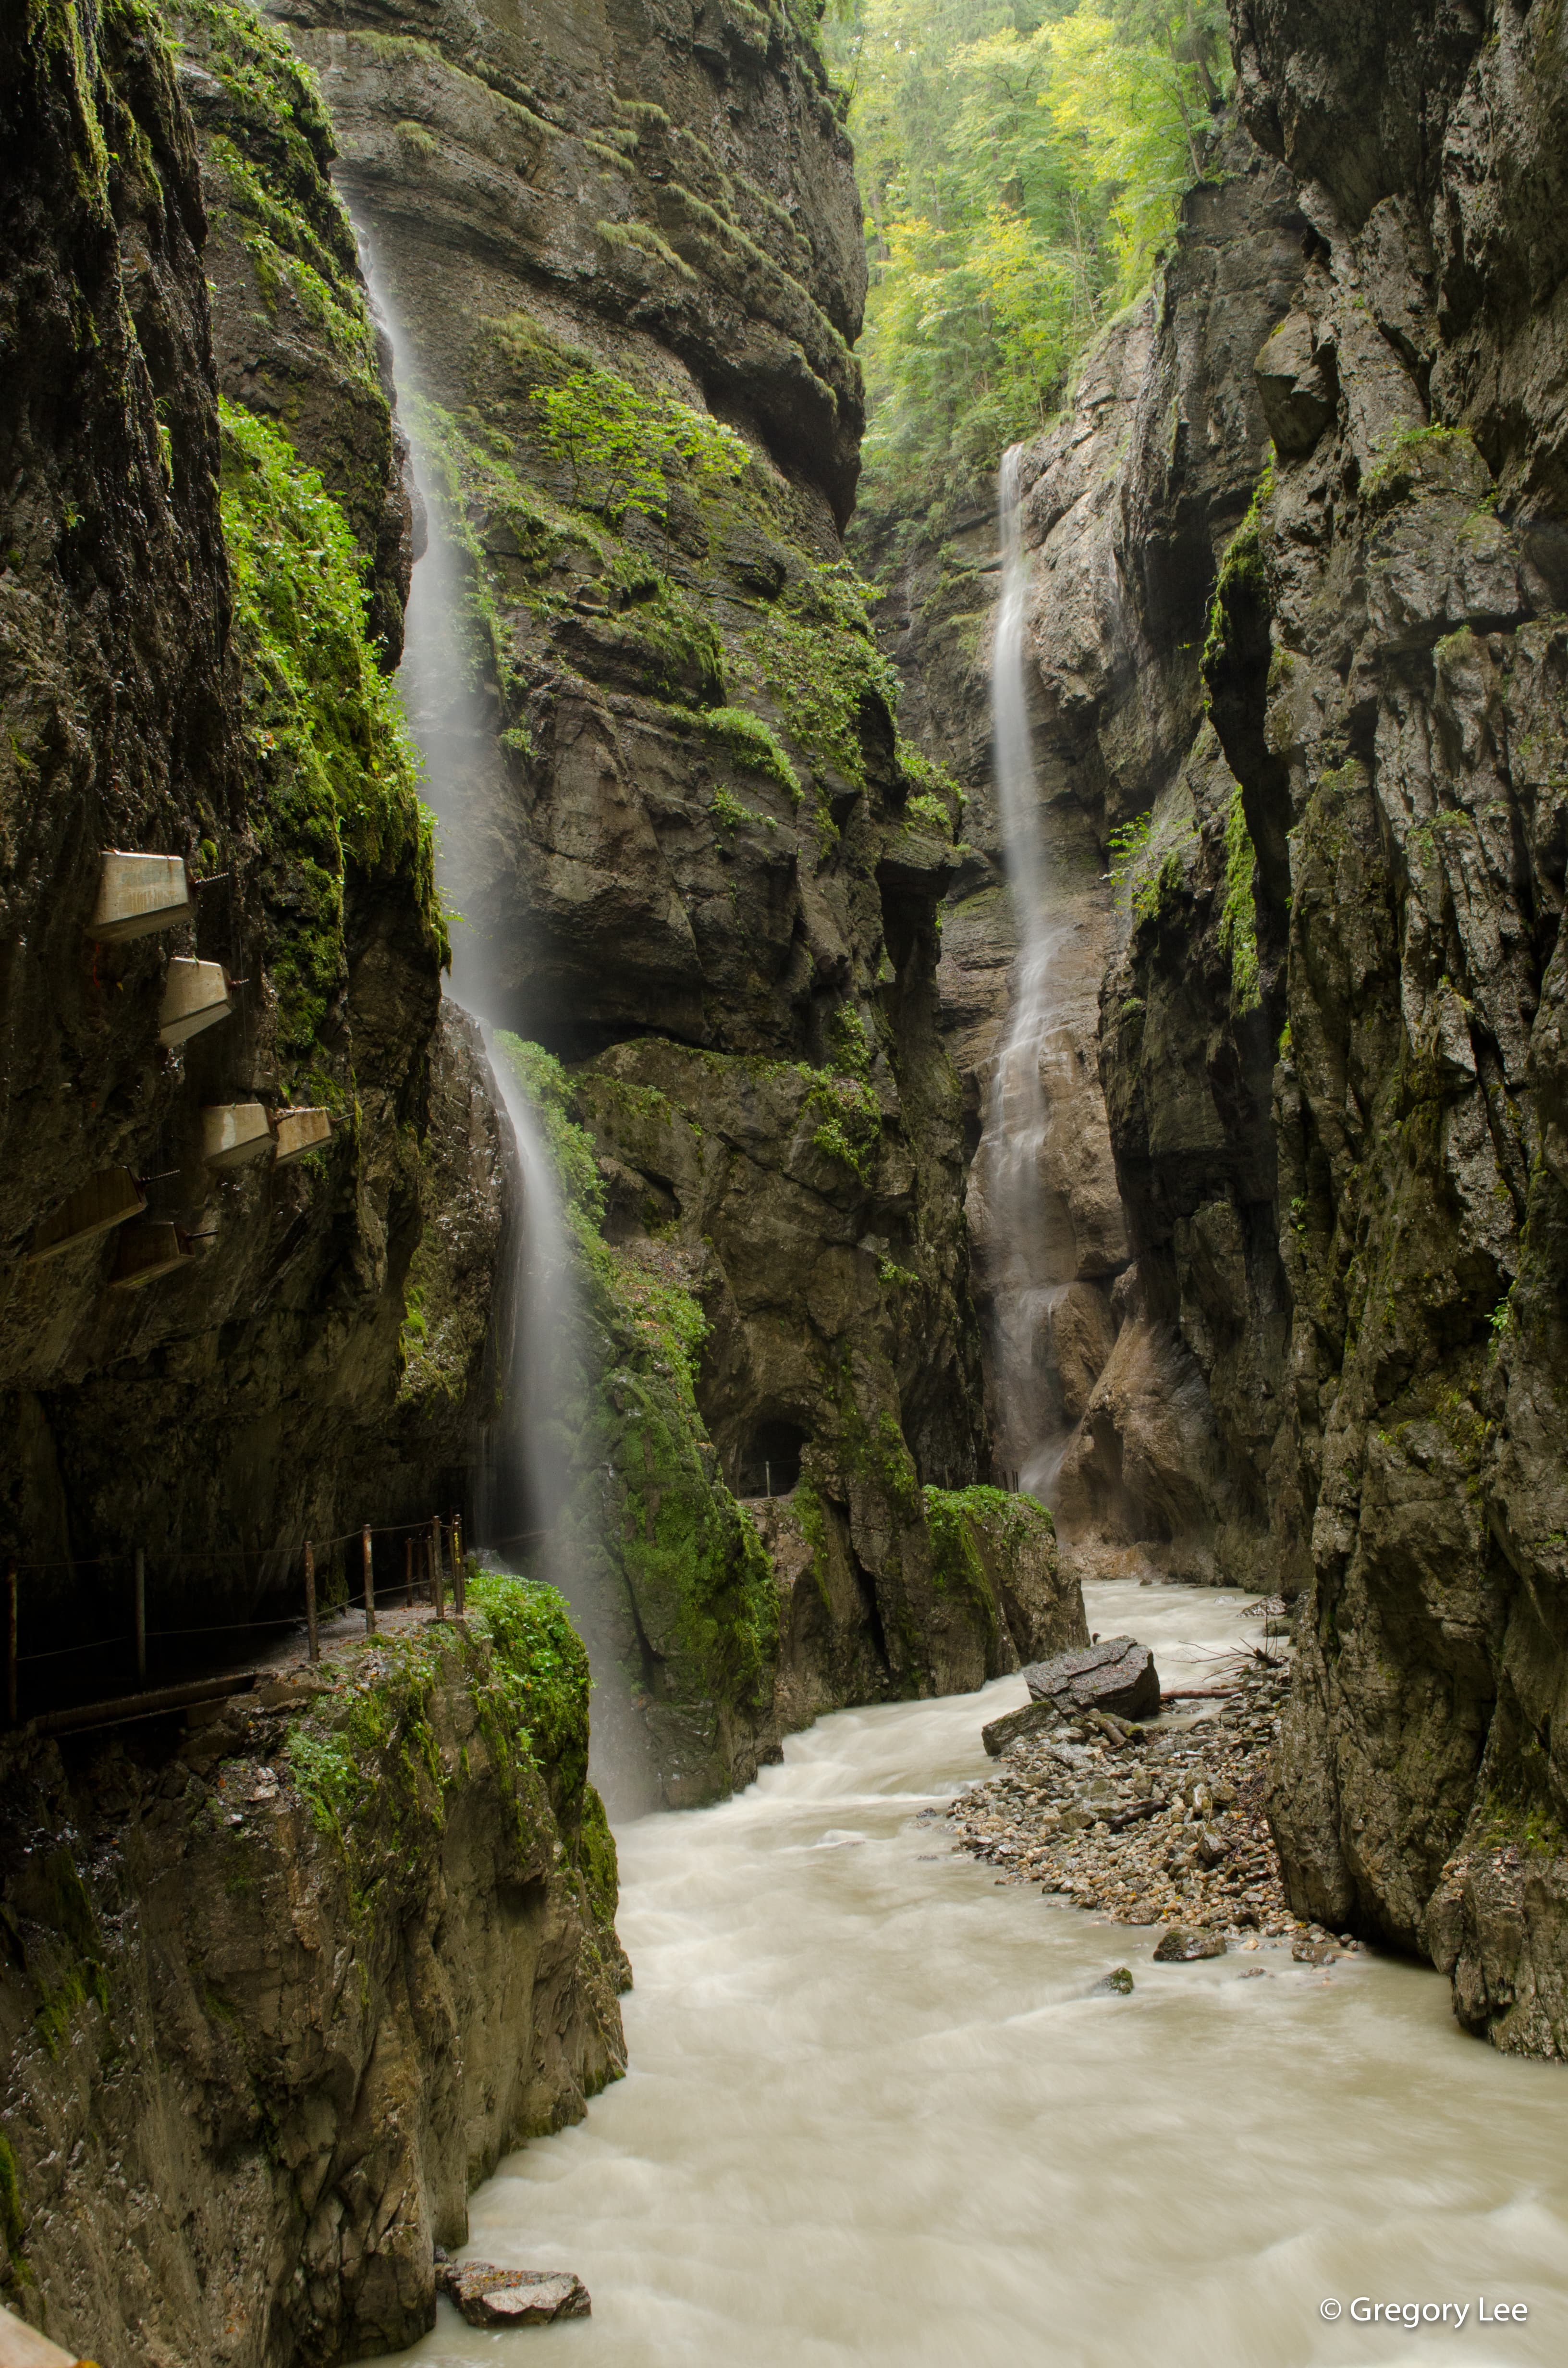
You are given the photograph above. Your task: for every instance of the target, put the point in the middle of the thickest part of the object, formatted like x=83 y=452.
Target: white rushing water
x=1023 y=1255
x=874 y=2114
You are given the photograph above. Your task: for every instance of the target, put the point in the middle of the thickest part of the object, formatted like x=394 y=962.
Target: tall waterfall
x=531 y=1512
x=1025 y=1248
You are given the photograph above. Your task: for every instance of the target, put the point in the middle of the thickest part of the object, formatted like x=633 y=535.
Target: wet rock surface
x=490 y=2297
x=302 y=1967
x=1115 y=1674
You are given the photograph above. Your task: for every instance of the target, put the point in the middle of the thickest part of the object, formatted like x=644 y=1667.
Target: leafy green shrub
x=620 y=448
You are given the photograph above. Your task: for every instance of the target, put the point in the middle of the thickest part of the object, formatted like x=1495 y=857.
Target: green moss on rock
x=332 y=771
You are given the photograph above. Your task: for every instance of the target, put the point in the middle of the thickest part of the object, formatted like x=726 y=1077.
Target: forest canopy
x=1021 y=163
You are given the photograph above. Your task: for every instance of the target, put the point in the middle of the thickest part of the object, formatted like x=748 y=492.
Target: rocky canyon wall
x=281 y=1981
x=1300 y=695
x=186 y=668
x=621 y=252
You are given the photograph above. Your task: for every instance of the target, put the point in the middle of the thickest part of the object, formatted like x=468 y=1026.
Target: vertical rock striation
x=1387 y=676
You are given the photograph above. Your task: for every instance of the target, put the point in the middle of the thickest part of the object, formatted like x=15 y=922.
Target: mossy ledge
x=326 y=1957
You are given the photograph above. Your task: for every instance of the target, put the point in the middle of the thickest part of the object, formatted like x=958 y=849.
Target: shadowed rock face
x=1388 y=678
x=279 y=1990
x=1329 y=1036
x=262 y=1395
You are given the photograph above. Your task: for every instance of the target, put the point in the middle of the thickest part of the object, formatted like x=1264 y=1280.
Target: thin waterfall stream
x=1025 y=1257
x=536 y=1511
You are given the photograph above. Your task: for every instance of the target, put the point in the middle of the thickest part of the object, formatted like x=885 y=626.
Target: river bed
x=873 y=2114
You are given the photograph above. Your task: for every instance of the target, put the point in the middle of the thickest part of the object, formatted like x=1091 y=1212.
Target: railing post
x=140 y=1599
x=11 y=1640
x=408 y=1570
x=370 y=1581
x=436 y=1575
x=460 y=1573
x=311 y=1602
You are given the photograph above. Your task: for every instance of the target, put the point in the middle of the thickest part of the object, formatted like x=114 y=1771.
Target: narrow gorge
x=785 y=799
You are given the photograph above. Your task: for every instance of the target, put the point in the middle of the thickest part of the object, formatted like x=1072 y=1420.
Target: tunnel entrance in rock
x=770 y=1461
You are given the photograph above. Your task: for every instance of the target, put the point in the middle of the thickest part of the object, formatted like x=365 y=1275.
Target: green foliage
x=1021 y=164
x=1241 y=571
x=620 y=448
x=729 y=814
x=13 y=2225
x=754 y=743
x=274 y=155
x=332 y=771
x=819 y=657
x=367 y=1759
x=849 y=1123
x=1238 y=918
x=1128 y=844
x=931 y=811
x=1014 y=1516
x=658 y=626
x=541 y=1666
x=80 y=1943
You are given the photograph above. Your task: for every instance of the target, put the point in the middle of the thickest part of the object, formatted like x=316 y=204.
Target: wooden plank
x=22 y=2346
x=126 y=1706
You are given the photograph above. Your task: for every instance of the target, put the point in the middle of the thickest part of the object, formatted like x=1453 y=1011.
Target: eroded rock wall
x=280 y=1987
x=1162 y=1339
x=1328 y=1031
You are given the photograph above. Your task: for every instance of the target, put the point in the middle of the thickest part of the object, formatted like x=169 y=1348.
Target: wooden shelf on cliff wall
x=139 y=893
x=301 y=1131
x=22 y=2346
x=104 y=1201
x=196 y=996
x=146 y=1252
x=233 y=1134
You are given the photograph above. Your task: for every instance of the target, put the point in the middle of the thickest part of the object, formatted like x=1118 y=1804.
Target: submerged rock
x=1117 y=1675
x=490 y=2297
x=1181 y=1946
x=1118 y=1983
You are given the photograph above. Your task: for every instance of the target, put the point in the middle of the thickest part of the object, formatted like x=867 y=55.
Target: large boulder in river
x=1118 y=1675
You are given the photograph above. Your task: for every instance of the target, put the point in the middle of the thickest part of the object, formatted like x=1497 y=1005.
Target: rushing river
x=873 y=2115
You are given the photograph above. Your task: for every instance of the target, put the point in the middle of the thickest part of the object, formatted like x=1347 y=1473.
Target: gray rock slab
x=1181 y=1945
x=1117 y=1675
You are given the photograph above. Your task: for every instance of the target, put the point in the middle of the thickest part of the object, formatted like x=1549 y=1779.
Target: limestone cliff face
x=621 y=253
x=186 y=669
x=279 y=1988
